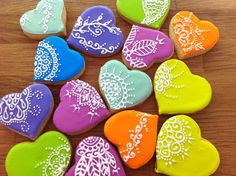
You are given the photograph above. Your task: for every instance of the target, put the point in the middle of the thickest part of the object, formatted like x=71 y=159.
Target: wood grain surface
x=217 y=121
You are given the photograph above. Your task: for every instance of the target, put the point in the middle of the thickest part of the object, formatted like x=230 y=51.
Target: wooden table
x=217 y=121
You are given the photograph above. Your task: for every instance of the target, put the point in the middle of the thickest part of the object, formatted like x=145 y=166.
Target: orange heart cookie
x=192 y=36
x=135 y=135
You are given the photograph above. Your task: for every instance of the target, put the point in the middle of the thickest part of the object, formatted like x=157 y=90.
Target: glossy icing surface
x=25 y=112
x=81 y=108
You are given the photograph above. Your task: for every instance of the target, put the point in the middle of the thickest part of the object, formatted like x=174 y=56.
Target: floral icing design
x=164 y=78
x=15 y=108
x=173 y=141
x=95 y=158
x=136 y=136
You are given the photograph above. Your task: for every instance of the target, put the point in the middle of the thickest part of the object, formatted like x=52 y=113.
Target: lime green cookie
x=49 y=155
x=177 y=90
x=151 y=13
x=181 y=151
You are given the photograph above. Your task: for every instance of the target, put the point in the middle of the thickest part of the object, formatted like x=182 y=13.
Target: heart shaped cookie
x=25 y=112
x=49 y=155
x=123 y=88
x=192 y=36
x=55 y=62
x=177 y=90
x=48 y=18
x=145 y=46
x=135 y=134
x=95 y=156
x=181 y=151
x=151 y=13
x=95 y=33
x=81 y=108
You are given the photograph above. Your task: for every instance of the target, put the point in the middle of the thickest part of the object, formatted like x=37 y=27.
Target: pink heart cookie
x=145 y=47
x=81 y=108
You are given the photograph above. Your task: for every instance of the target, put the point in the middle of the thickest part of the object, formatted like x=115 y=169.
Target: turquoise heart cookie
x=49 y=17
x=56 y=62
x=123 y=88
x=49 y=155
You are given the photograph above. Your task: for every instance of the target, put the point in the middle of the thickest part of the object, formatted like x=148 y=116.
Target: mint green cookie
x=49 y=155
x=151 y=13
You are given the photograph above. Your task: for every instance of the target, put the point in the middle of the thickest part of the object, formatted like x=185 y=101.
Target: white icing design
x=189 y=35
x=16 y=108
x=154 y=10
x=46 y=62
x=24 y=19
x=116 y=88
x=95 y=28
x=164 y=80
x=139 y=49
x=95 y=158
x=173 y=138
x=86 y=95
x=136 y=135
x=57 y=161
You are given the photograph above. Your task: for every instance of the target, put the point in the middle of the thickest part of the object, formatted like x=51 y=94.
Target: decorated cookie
x=181 y=151
x=123 y=88
x=145 y=46
x=135 y=134
x=95 y=33
x=48 y=156
x=177 y=90
x=56 y=62
x=151 y=13
x=27 y=112
x=48 y=18
x=94 y=156
x=192 y=36
x=81 y=108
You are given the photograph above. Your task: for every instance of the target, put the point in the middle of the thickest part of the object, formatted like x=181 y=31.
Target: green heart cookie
x=151 y=13
x=123 y=88
x=49 y=155
x=181 y=151
x=177 y=90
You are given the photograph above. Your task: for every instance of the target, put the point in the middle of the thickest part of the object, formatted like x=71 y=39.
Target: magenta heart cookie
x=96 y=157
x=81 y=108
x=145 y=46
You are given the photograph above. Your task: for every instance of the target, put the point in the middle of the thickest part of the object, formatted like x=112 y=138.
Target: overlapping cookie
x=145 y=47
x=95 y=33
x=95 y=156
x=27 y=112
x=135 y=134
x=81 y=108
x=192 y=36
x=123 y=88
x=48 y=18
x=55 y=62
x=177 y=90
x=151 y=13
x=49 y=155
x=181 y=151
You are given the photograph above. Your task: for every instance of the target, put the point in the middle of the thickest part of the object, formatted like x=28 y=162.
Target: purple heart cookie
x=95 y=156
x=81 y=108
x=27 y=112
x=95 y=33
x=145 y=47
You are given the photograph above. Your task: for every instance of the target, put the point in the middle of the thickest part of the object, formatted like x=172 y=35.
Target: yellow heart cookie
x=181 y=151
x=192 y=36
x=177 y=90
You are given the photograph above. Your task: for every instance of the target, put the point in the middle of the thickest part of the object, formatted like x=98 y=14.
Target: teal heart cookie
x=49 y=155
x=123 y=88
x=49 y=17
x=151 y=13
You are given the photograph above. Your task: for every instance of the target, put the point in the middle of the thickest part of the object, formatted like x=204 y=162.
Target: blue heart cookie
x=95 y=33
x=56 y=62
